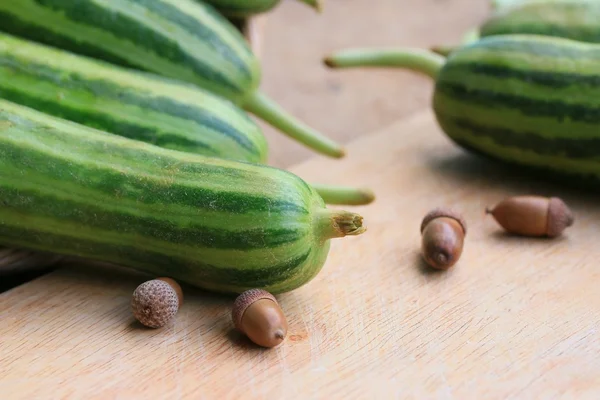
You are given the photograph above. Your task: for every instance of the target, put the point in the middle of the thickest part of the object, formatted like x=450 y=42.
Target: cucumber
x=125 y=102
x=179 y=39
x=247 y=8
x=139 y=106
x=571 y=19
x=497 y=5
x=519 y=99
x=501 y=5
x=217 y=224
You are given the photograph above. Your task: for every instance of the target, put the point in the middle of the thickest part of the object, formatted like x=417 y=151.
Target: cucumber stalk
x=316 y=4
x=264 y=108
x=443 y=50
x=418 y=60
x=344 y=195
x=331 y=224
x=469 y=37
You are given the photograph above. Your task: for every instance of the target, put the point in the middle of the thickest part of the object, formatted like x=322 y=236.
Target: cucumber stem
x=266 y=109
x=316 y=4
x=443 y=50
x=345 y=195
x=469 y=37
x=423 y=61
x=338 y=223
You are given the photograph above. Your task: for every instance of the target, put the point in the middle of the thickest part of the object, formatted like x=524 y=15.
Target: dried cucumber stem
x=336 y=224
x=264 y=108
x=423 y=61
x=344 y=195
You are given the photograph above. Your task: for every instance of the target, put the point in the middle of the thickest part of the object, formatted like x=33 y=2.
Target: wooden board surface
x=346 y=104
x=515 y=318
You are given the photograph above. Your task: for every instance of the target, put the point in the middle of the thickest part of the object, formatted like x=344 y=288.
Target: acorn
x=443 y=232
x=256 y=313
x=533 y=215
x=156 y=302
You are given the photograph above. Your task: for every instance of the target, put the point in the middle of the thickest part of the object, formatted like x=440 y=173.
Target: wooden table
x=515 y=318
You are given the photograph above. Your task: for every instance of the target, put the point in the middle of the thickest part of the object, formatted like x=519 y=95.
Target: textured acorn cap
x=244 y=300
x=441 y=212
x=154 y=303
x=560 y=217
x=175 y=286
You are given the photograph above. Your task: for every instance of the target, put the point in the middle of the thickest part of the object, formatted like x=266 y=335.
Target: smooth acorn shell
x=257 y=314
x=442 y=241
x=533 y=215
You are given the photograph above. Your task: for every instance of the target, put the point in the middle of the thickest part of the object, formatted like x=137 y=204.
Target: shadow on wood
x=469 y=168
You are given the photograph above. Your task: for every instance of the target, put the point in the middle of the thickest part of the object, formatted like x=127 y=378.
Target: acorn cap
x=175 y=286
x=154 y=303
x=244 y=300
x=441 y=212
x=559 y=217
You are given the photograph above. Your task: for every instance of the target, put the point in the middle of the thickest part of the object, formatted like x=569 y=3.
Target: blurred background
x=345 y=104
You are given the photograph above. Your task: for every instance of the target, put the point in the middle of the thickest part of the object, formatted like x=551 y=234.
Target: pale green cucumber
x=519 y=99
x=216 y=224
x=570 y=19
x=137 y=105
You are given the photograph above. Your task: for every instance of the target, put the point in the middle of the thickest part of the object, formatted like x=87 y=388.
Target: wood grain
x=515 y=318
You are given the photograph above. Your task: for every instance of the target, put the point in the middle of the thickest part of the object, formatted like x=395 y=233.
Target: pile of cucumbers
x=126 y=135
x=522 y=89
x=125 y=138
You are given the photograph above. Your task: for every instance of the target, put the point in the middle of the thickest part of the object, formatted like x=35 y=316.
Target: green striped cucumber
x=571 y=19
x=125 y=102
x=138 y=105
x=185 y=40
x=501 y=5
x=247 y=8
x=528 y=100
x=216 y=224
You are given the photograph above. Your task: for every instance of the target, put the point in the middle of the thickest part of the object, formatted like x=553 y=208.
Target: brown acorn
x=533 y=215
x=257 y=314
x=155 y=302
x=443 y=232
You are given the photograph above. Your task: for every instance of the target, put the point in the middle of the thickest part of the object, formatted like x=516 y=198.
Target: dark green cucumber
x=527 y=100
x=216 y=224
x=180 y=39
x=247 y=8
x=570 y=19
